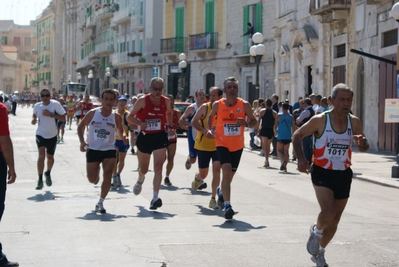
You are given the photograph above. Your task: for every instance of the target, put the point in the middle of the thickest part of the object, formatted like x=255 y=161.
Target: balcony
x=171 y=47
x=83 y=63
x=90 y=22
x=121 y=59
x=104 y=13
x=46 y=65
x=33 y=68
x=137 y=22
x=203 y=43
x=322 y=7
x=122 y=16
x=104 y=48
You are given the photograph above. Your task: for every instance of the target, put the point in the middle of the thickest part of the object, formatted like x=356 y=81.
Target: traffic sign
x=140 y=85
x=155 y=72
x=391 y=110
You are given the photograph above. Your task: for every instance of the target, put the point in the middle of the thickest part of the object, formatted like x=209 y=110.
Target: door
x=253 y=93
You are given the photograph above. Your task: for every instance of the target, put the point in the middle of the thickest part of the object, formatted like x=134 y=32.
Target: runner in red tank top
x=153 y=114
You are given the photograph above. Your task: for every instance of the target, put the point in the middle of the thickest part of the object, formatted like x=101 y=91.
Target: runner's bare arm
x=199 y=115
x=358 y=134
x=119 y=128
x=248 y=112
x=140 y=104
x=81 y=129
x=182 y=120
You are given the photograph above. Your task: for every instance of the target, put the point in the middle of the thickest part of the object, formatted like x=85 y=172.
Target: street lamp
x=90 y=76
x=182 y=67
x=395 y=168
x=79 y=77
x=69 y=78
x=107 y=74
x=257 y=51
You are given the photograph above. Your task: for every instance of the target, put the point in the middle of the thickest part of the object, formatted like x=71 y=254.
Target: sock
x=101 y=200
x=167 y=176
x=155 y=195
x=48 y=172
x=227 y=203
x=40 y=176
x=321 y=249
x=318 y=232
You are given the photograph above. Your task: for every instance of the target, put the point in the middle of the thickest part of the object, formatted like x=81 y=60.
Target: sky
x=22 y=11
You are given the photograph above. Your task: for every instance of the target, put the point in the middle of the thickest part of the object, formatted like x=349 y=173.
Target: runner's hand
x=303 y=166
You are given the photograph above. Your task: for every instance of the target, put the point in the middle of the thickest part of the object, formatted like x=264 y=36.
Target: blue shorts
x=121 y=146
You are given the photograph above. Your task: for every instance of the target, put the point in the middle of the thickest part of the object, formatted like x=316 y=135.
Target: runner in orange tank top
x=231 y=112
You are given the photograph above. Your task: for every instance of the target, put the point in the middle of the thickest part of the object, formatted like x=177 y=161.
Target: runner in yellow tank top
x=206 y=147
x=231 y=113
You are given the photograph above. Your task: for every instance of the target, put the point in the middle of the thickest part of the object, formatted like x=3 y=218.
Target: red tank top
x=228 y=133
x=154 y=116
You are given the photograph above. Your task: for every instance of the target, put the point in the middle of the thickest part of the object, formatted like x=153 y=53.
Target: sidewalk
x=371 y=167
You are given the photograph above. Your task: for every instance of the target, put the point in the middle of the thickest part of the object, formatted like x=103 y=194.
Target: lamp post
x=90 y=76
x=69 y=78
x=182 y=67
x=107 y=74
x=395 y=168
x=79 y=76
x=257 y=51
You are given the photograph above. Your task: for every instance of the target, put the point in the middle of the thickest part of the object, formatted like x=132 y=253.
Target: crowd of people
x=321 y=130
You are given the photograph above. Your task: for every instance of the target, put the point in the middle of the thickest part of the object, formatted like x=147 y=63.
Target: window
x=27 y=41
x=179 y=29
x=390 y=38
x=253 y=15
x=4 y=40
x=17 y=41
x=340 y=51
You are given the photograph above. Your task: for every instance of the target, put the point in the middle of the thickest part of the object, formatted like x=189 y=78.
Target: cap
x=122 y=97
x=134 y=97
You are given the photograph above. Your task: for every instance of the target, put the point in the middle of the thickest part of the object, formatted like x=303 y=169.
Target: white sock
x=155 y=195
x=101 y=200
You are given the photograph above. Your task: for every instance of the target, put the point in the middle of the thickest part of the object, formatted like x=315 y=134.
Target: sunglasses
x=157 y=89
x=47 y=95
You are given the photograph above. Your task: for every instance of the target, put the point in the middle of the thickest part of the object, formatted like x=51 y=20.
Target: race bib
x=101 y=135
x=231 y=129
x=153 y=125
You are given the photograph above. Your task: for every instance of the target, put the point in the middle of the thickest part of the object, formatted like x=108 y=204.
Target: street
x=57 y=226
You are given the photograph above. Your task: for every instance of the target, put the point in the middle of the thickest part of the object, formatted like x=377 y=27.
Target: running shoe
x=213 y=204
x=167 y=182
x=62 y=139
x=48 y=179
x=58 y=139
x=228 y=212
x=155 y=204
x=188 y=164
x=202 y=185
x=118 y=180
x=313 y=243
x=283 y=166
x=100 y=208
x=137 y=187
x=319 y=259
x=220 y=198
x=114 y=181
x=4 y=261
x=39 y=184
x=266 y=165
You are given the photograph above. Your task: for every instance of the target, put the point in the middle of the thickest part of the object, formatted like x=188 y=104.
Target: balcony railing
x=317 y=7
x=103 y=48
x=33 y=68
x=137 y=22
x=173 y=45
x=90 y=22
x=83 y=63
x=121 y=16
x=105 y=12
x=203 y=41
x=121 y=59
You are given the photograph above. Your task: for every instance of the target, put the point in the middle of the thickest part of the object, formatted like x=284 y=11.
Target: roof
x=9 y=49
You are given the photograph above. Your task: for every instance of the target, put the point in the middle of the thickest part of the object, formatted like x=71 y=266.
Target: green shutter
x=26 y=80
x=258 y=26
x=179 y=29
x=210 y=21
x=49 y=76
x=245 y=29
x=103 y=63
x=141 y=46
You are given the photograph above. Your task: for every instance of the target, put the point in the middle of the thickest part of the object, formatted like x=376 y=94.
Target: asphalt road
x=57 y=226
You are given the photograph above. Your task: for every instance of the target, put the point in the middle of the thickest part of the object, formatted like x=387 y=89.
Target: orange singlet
x=228 y=133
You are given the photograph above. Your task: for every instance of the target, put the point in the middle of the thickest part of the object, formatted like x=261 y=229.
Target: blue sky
x=22 y=11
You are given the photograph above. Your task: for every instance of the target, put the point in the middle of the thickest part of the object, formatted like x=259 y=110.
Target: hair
x=170 y=97
x=324 y=100
x=229 y=79
x=199 y=90
x=318 y=97
x=286 y=106
x=307 y=101
x=261 y=100
x=45 y=89
x=255 y=104
x=220 y=90
x=249 y=24
x=1 y=98
x=269 y=103
x=108 y=91
x=156 y=79
x=275 y=97
x=340 y=87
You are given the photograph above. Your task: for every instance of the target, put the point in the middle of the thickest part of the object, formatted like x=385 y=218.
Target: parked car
x=96 y=101
x=181 y=107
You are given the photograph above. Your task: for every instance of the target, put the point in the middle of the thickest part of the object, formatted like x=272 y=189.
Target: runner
x=231 y=112
x=46 y=113
x=206 y=147
x=61 y=124
x=331 y=173
x=70 y=111
x=100 y=143
x=153 y=114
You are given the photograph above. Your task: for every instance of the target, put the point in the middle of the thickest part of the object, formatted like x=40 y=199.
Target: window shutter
x=258 y=26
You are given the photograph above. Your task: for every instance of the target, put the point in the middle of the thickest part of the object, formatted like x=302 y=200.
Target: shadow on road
x=156 y=215
x=238 y=226
x=42 y=197
x=107 y=217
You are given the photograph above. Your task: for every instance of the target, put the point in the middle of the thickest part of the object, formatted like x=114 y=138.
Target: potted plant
x=74 y=62
x=139 y=54
x=154 y=54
